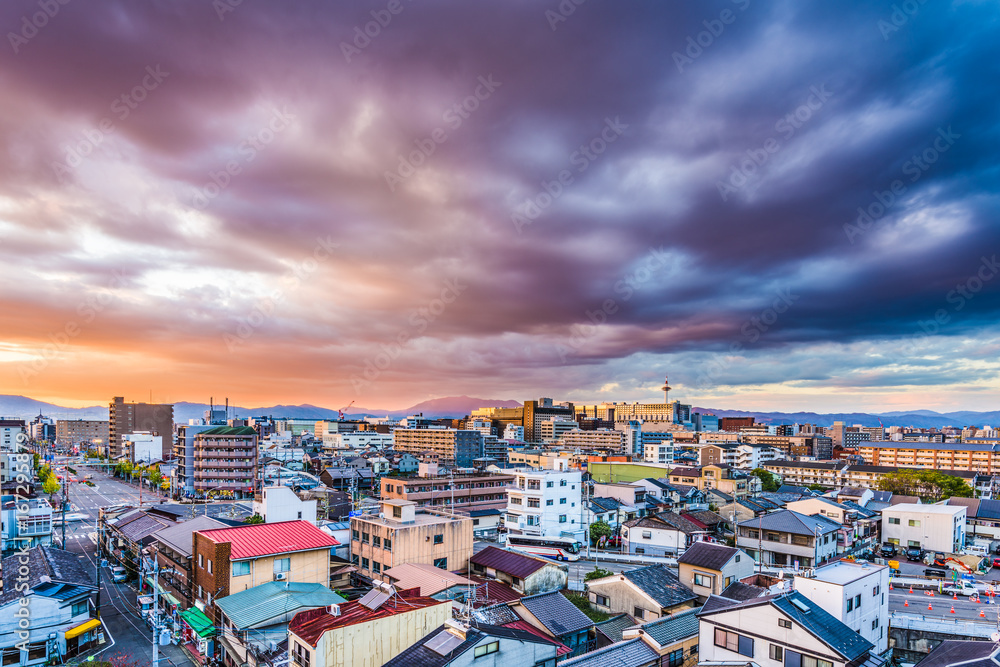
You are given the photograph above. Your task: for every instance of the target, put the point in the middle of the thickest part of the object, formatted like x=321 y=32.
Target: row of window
x=732 y=641
x=912 y=523
x=536 y=502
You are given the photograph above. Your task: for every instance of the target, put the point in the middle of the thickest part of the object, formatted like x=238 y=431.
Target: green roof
x=257 y=606
x=198 y=621
x=230 y=430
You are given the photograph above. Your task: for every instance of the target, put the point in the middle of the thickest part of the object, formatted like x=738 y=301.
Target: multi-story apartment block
x=735 y=423
x=716 y=476
x=10 y=429
x=450 y=447
x=818 y=446
x=545 y=502
x=126 y=418
x=661 y=452
x=452 y=492
x=70 y=432
x=401 y=534
x=225 y=460
x=612 y=441
x=856 y=594
x=553 y=429
x=544 y=409
x=184 y=457
x=940 y=456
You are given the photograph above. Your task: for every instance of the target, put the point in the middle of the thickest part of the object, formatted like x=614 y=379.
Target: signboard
x=354 y=513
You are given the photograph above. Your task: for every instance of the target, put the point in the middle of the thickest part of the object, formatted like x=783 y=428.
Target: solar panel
x=374 y=599
x=444 y=642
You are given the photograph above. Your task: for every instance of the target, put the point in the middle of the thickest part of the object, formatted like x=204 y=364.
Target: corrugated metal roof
x=264 y=539
x=313 y=624
x=427 y=578
x=510 y=562
x=178 y=537
x=258 y=605
x=633 y=652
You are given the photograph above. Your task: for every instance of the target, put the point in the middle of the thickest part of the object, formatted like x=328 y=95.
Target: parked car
x=963 y=588
x=934 y=572
x=119 y=574
x=996 y=562
x=888 y=550
x=915 y=553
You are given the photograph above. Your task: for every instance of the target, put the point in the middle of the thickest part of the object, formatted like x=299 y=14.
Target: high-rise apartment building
x=71 y=432
x=450 y=447
x=225 y=460
x=124 y=418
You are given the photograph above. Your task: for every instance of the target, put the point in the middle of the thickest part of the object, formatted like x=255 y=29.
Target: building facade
x=127 y=418
x=545 y=502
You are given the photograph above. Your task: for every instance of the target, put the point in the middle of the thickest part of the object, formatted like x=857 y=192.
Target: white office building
x=857 y=594
x=546 y=502
x=930 y=527
x=142 y=447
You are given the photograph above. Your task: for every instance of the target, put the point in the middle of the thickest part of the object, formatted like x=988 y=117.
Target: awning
x=83 y=627
x=171 y=599
x=200 y=623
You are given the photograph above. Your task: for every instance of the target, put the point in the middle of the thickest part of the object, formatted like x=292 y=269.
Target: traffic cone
x=931 y=592
x=906 y=602
x=911 y=588
x=890 y=585
x=982 y=613
x=954 y=596
x=953 y=609
x=930 y=607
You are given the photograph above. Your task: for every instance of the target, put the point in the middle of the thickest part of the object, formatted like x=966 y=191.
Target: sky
x=783 y=205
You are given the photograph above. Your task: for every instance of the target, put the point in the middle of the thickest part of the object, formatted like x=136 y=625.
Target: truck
x=963 y=587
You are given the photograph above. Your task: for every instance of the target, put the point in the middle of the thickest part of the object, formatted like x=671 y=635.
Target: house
x=748 y=508
x=664 y=534
x=788 y=539
x=280 y=503
x=608 y=510
x=503 y=615
x=777 y=630
x=610 y=631
x=632 y=497
x=402 y=533
x=560 y=619
x=172 y=549
x=674 y=638
x=721 y=477
x=485 y=522
x=856 y=523
x=50 y=605
x=432 y=582
x=525 y=574
x=707 y=568
x=26 y=523
x=930 y=527
x=370 y=631
x=963 y=653
x=230 y=560
x=457 y=645
x=253 y=621
x=633 y=652
x=856 y=594
x=647 y=593
x=128 y=531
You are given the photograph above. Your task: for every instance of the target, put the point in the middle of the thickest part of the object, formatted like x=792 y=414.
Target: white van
x=978 y=550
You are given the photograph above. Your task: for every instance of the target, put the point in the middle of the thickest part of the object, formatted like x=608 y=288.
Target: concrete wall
x=912 y=645
x=549 y=578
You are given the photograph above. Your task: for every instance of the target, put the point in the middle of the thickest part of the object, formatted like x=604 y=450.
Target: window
x=240 y=568
x=784 y=623
x=562 y=482
x=549 y=502
x=354 y=534
x=80 y=608
x=515 y=500
x=397 y=512
x=857 y=601
x=875 y=623
x=734 y=642
x=439 y=538
x=776 y=653
x=365 y=537
x=548 y=485
x=441 y=563
x=894 y=520
x=562 y=501
x=201 y=560
x=486 y=649
x=210 y=566
x=377 y=542
x=914 y=523
x=282 y=564
x=675 y=658
x=534 y=502
x=737 y=558
x=300 y=515
x=638 y=612
x=794 y=659
x=301 y=655
x=875 y=591
x=601 y=600
x=703 y=580
x=387 y=544
x=376 y=566
x=364 y=563
x=562 y=518
x=850 y=604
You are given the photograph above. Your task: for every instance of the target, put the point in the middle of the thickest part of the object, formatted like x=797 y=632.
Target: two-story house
x=786 y=539
x=525 y=574
x=708 y=569
x=856 y=594
x=481 y=645
x=557 y=617
x=663 y=534
x=645 y=593
x=172 y=550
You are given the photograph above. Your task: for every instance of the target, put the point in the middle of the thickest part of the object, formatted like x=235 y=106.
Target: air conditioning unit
x=334 y=609
x=272 y=645
x=280 y=576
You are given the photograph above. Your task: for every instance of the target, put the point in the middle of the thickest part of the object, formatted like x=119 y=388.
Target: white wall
x=281 y=504
x=873 y=588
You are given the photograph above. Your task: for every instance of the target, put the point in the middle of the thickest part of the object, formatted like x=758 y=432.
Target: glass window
x=562 y=518
x=240 y=568
x=387 y=544
x=675 y=658
x=638 y=612
x=80 y=608
x=377 y=542
x=439 y=538
x=548 y=485
x=441 y=563
x=562 y=501
x=562 y=482
x=601 y=600
x=282 y=564
x=364 y=563
x=703 y=580
x=550 y=502
x=486 y=649
x=914 y=523
x=776 y=653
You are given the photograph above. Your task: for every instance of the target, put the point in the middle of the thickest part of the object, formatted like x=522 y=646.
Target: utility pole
x=97 y=606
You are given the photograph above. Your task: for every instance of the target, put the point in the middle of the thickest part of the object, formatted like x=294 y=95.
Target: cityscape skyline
x=782 y=207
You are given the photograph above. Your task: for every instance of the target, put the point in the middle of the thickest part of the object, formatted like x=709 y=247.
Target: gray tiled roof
x=633 y=653
x=953 y=651
x=708 y=555
x=421 y=655
x=497 y=614
x=673 y=628
x=823 y=625
x=659 y=583
x=740 y=591
x=613 y=627
x=559 y=616
x=787 y=521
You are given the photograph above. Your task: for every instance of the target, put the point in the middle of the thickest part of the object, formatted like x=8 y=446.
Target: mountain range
x=22 y=407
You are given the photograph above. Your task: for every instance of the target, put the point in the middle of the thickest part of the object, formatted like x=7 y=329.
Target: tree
x=50 y=485
x=35 y=459
x=256 y=518
x=155 y=477
x=597 y=573
x=816 y=487
x=932 y=485
x=768 y=481
x=599 y=529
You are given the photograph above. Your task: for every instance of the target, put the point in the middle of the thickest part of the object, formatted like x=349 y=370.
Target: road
x=577 y=569
x=131 y=636
x=941 y=605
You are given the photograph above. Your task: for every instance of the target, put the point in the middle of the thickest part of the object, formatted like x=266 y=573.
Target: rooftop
x=968 y=653
x=661 y=584
x=265 y=539
x=708 y=555
x=178 y=536
x=254 y=607
x=554 y=611
x=671 y=629
x=631 y=652
x=510 y=562
x=843 y=572
x=427 y=578
x=927 y=509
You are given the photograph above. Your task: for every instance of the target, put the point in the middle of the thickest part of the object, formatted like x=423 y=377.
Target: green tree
x=35 y=459
x=816 y=487
x=256 y=518
x=768 y=481
x=599 y=529
x=597 y=573
x=929 y=485
x=155 y=477
x=50 y=485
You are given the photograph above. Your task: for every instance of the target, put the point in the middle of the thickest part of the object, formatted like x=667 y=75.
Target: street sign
x=354 y=513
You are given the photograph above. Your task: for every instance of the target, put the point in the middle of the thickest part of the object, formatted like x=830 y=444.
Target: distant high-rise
x=124 y=418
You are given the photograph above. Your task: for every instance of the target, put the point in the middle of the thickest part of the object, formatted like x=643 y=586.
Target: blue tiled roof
x=823 y=625
x=633 y=653
x=672 y=629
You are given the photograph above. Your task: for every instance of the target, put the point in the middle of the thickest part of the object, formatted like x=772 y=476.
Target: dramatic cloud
x=781 y=205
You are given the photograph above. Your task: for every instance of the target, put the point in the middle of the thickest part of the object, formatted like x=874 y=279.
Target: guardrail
x=970 y=628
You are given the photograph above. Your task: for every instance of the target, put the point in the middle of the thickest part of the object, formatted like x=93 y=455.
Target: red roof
x=311 y=625
x=491 y=591
x=265 y=539
x=509 y=562
x=561 y=649
x=694 y=521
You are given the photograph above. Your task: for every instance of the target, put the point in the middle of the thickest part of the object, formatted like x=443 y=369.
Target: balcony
x=223 y=463
x=223 y=475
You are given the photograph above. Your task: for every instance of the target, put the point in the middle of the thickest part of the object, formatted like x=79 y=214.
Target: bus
x=557 y=548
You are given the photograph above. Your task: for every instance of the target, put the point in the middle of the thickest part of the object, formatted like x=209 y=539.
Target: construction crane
x=340 y=413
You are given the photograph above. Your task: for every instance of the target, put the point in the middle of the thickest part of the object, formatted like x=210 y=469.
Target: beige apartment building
x=75 y=431
x=940 y=456
x=462 y=492
x=448 y=446
x=402 y=534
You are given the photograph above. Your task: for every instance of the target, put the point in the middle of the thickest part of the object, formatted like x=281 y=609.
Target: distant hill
x=22 y=407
